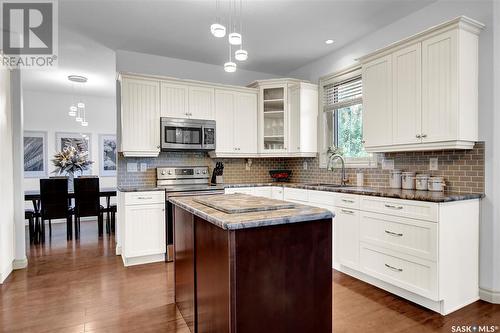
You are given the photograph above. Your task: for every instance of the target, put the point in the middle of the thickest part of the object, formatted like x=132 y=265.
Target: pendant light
x=217 y=29
x=230 y=66
x=234 y=37
x=241 y=54
x=72 y=111
x=77 y=110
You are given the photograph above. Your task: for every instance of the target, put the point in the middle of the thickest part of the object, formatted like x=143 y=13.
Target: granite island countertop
x=299 y=213
x=373 y=191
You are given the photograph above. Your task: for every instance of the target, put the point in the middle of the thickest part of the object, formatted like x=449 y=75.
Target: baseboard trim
x=489 y=296
x=20 y=263
x=5 y=273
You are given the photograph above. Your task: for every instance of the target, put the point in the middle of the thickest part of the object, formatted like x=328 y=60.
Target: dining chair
x=87 y=202
x=55 y=204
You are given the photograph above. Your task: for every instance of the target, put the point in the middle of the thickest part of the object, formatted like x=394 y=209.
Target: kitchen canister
x=395 y=179
x=408 y=180
x=436 y=184
x=360 y=179
x=421 y=181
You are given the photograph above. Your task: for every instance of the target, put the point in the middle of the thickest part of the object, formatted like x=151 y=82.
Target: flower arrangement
x=70 y=160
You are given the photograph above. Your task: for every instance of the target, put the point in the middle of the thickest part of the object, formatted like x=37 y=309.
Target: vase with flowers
x=69 y=161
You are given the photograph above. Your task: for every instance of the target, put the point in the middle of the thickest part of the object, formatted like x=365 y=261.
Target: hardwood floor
x=81 y=286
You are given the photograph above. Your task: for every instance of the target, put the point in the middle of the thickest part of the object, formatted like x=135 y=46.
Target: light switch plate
x=304 y=165
x=144 y=167
x=433 y=163
x=131 y=167
x=387 y=164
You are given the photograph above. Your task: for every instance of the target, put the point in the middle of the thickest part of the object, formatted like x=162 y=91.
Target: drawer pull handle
x=348 y=201
x=393 y=233
x=393 y=207
x=347 y=211
x=144 y=198
x=394 y=268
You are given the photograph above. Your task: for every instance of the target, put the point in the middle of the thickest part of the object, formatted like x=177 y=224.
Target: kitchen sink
x=350 y=188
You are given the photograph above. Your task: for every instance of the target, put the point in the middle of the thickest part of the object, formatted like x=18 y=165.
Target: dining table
x=34 y=197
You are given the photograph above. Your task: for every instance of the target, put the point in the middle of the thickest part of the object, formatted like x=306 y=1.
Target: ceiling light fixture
x=241 y=54
x=217 y=29
x=230 y=66
x=72 y=111
x=329 y=41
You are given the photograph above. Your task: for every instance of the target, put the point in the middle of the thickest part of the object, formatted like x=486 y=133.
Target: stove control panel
x=182 y=172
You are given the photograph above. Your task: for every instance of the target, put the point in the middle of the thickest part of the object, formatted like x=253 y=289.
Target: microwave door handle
x=203 y=136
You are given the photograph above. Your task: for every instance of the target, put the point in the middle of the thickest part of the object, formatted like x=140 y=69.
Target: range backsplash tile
x=463 y=170
x=234 y=168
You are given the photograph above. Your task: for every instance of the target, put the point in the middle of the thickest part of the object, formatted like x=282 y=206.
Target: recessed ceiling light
x=329 y=41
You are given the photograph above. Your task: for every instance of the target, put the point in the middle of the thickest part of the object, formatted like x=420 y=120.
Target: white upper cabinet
x=236 y=121
x=440 y=87
x=425 y=89
x=287 y=118
x=245 y=123
x=377 y=102
x=201 y=102
x=407 y=97
x=302 y=118
x=140 y=117
x=182 y=100
x=174 y=100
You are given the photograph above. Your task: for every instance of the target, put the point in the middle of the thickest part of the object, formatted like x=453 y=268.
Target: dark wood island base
x=274 y=278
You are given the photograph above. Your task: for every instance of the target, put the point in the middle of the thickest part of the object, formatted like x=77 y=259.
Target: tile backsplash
x=463 y=170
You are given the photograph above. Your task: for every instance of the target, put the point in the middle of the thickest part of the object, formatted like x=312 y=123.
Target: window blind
x=342 y=94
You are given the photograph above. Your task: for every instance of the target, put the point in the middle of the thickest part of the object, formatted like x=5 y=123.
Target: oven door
x=169 y=217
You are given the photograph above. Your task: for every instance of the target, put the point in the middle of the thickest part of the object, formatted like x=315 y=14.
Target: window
x=342 y=115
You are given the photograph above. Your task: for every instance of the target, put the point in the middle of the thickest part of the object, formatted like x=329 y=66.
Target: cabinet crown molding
x=461 y=22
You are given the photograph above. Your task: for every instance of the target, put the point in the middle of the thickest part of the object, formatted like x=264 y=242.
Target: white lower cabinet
x=423 y=251
x=347 y=239
x=142 y=227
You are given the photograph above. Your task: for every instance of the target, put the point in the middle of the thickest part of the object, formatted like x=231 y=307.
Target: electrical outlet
x=131 y=167
x=304 y=165
x=433 y=163
x=387 y=164
x=144 y=167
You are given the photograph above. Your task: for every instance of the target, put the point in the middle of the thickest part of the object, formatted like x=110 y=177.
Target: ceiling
x=280 y=35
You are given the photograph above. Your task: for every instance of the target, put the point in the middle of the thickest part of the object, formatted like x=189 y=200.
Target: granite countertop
x=143 y=188
x=300 y=213
x=373 y=191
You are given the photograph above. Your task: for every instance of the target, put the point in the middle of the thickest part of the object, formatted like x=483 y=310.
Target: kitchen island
x=252 y=264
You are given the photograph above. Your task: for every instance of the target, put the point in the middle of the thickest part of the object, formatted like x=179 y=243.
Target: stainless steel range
x=181 y=182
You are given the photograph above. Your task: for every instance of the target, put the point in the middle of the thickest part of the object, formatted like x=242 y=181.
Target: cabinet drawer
x=412 y=237
x=415 y=275
x=295 y=194
x=407 y=208
x=244 y=190
x=144 y=198
x=264 y=191
x=322 y=197
x=347 y=200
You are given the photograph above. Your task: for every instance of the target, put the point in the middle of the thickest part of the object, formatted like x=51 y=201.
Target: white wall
x=142 y=63
x=48 y=111
x=431 y=15
x=6 y=175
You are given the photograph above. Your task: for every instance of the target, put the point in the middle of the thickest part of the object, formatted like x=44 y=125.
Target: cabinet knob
x=418 y=136
x=424 y=135
x=362 y=141
x=158 y=147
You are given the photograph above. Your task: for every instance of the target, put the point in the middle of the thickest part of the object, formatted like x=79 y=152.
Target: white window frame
x=351 y=162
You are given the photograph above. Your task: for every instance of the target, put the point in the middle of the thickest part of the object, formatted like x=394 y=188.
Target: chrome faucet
x=333 y=156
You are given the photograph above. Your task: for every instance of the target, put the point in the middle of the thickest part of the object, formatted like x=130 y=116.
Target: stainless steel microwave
x=187 y=134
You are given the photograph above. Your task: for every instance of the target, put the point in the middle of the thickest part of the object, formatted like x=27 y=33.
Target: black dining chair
x=29 y=214
x=55 y=204
x=87 y=202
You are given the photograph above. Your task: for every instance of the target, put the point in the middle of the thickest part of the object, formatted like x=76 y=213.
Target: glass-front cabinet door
x=273 y=119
